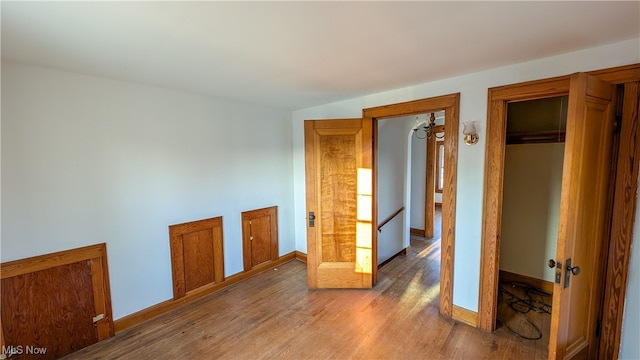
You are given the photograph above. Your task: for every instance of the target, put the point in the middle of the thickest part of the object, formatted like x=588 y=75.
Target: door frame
x=451 y=106
x=623 y=206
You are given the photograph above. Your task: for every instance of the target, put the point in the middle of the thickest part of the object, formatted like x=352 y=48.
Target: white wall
x=473 y=106
x=392 y=185
x=87 y=160
x=531 y=208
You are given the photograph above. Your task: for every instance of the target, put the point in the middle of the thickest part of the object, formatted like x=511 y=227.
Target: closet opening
x=533 y=161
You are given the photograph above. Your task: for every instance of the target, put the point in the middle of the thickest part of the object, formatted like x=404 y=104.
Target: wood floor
x=525 y=311
x=274 y=316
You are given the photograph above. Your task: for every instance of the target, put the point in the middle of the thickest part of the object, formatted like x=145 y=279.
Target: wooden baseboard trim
x=300 y=256
x=538 y=283
x=418 y=232
x=464 y=316
x=404 y=251
x=138 y=317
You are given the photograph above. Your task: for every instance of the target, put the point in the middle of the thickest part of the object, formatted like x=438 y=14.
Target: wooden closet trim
x=624 y=203
x=623 y=208
x=494 y=177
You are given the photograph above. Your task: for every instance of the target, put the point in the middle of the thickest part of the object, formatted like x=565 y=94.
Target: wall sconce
x=470 y=132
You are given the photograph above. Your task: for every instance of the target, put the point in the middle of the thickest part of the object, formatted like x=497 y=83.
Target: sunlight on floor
x=432 y=252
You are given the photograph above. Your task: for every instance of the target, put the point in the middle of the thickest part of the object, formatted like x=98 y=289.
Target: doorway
x=426 y=170
x=450 y=105
x=409 y=204
x=533 y=161
x=625 y=180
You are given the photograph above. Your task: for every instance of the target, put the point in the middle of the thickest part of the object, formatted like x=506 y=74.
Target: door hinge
x=618 y=124
x=599 y=328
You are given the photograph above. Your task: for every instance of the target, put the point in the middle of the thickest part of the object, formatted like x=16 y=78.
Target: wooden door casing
x=624 y=203
x=623 y=207
x=450 y=104
x=338 y=164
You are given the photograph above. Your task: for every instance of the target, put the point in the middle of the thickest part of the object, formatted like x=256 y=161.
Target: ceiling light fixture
x=426 y=129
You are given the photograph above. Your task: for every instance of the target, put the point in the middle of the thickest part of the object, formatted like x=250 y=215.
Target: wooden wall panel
x=259 y=237
x=50 y=301
x=261 y=244
x=50 y=309
x=198 y=252
x=197 y=258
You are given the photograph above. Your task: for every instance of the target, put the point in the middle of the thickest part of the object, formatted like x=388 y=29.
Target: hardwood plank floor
x=525 y=311
x=274 y=316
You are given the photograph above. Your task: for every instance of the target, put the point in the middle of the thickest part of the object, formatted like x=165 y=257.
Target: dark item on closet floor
x=525 y=310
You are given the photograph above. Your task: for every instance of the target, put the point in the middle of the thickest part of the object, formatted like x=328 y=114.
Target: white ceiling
x=297 y=54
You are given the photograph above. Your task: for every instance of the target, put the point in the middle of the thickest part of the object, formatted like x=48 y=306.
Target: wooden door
x=259 y=237
x=197 y=255
x=49 y=313
x=339 y=166
x=584 y=221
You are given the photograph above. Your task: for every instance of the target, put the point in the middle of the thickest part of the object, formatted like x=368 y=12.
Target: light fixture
x=470 y=132
x=427 y=129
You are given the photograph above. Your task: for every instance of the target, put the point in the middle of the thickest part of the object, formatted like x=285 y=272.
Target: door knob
x=552 y=263
x=574 y=270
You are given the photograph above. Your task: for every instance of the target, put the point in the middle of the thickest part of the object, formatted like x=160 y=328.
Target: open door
x=584 y=219
x=338 y=160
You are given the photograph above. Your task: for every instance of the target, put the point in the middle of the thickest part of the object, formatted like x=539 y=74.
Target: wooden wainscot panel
x=197 y=259
x=55 y=304
x=259 y=237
